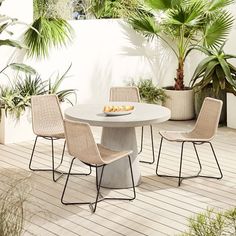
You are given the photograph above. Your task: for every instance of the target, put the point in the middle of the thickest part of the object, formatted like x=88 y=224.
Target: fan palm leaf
x=219 y=4
x=53 y=32
x=160 y=4
x=146 y=24
x=217 y=30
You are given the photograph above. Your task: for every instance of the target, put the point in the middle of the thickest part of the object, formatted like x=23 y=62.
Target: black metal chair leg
x=221 y=174
x=67 y=179
x=53 y=169
x=93 y=208
x=159 y=156
x=141 y=144
x=180 y=178
x=180 y=165
x=132 y=178
x=99 y=197
x=53 y=162
x=153 y=149
x=199 y=162
x=32 y=154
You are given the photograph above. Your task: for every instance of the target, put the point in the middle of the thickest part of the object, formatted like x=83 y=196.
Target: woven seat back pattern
x=208 y=119
x=47 y=118
x=81 y=143
x=124 y=94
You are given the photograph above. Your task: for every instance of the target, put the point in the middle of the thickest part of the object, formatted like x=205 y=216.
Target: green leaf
x=11 y=43
x=159 y=4
x=145 y=24
x=22 y=67
x=53 y=32
x=227 y=72
x=219 y=4
x=218 y=29
x=202 y=66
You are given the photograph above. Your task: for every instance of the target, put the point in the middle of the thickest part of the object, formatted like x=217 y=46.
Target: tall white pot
x=231 y=110
x=13 y=131
x=181 y=104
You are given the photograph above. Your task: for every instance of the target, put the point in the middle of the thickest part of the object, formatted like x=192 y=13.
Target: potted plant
x=149 y=92
x=15 y=98
x=214 y=77
x=180 y=24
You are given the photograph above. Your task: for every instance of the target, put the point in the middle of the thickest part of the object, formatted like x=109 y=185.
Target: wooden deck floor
x=161 y=208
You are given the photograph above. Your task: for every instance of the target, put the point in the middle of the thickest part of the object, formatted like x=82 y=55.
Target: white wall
x=105 y=53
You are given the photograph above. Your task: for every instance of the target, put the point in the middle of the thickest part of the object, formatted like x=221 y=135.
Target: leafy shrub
x=149 y=92
x=212 y=223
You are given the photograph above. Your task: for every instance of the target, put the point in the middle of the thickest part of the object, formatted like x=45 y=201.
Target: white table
x=118 y=133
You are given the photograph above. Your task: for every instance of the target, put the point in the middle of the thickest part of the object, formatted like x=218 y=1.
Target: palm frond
x=219 y=4
x=187 y=15
x=22 y=67
x=53 y=32
x=160 y=4
x=11 y=43
x=145 y=24
x=218 y=29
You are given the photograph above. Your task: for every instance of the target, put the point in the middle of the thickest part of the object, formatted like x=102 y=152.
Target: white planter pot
x=12 y=130
x=181 y=104
x=231 y=110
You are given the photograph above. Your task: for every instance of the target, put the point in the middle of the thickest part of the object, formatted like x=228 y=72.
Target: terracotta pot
x=181 y=104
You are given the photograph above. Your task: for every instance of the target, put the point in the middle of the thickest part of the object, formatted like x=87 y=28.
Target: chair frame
x=93 y=205
x=180 y=177
x=142 y=131
x=153 y=148
x=54 y=170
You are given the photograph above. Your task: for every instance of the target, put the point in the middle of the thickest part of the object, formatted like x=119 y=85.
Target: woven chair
x=131 y=94
x=81 y=145
x=47 y=123
x=203 y=132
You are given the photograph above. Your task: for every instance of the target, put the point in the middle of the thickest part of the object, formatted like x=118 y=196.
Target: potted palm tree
x=214 y=77
x=181 y=24
x=52 y=30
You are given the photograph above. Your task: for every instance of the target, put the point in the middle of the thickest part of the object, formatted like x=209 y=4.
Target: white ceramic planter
x=231 y=110
x=12 y=130
x=181 y=104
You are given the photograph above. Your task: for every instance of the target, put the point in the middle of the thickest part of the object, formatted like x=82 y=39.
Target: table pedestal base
x=117 y=174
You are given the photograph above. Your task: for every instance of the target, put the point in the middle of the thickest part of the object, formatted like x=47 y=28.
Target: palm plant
x=215 y=70
x=54 y=31
x=183 y=23
x=111 y=8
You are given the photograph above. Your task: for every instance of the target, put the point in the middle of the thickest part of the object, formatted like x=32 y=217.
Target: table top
x=143 y=114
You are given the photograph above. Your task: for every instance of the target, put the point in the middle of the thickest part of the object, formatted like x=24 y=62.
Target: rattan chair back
x=47 y=118
x=208 y=119
x=124 y=94
x=81 y=143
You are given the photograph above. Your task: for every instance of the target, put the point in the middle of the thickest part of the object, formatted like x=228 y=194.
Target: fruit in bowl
x=118 y=108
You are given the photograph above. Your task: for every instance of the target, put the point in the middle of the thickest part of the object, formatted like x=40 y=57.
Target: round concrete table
x=118 y=133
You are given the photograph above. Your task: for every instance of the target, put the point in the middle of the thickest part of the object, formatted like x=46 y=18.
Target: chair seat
x=178 y=136
x=55 y=131
x=109 y=155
